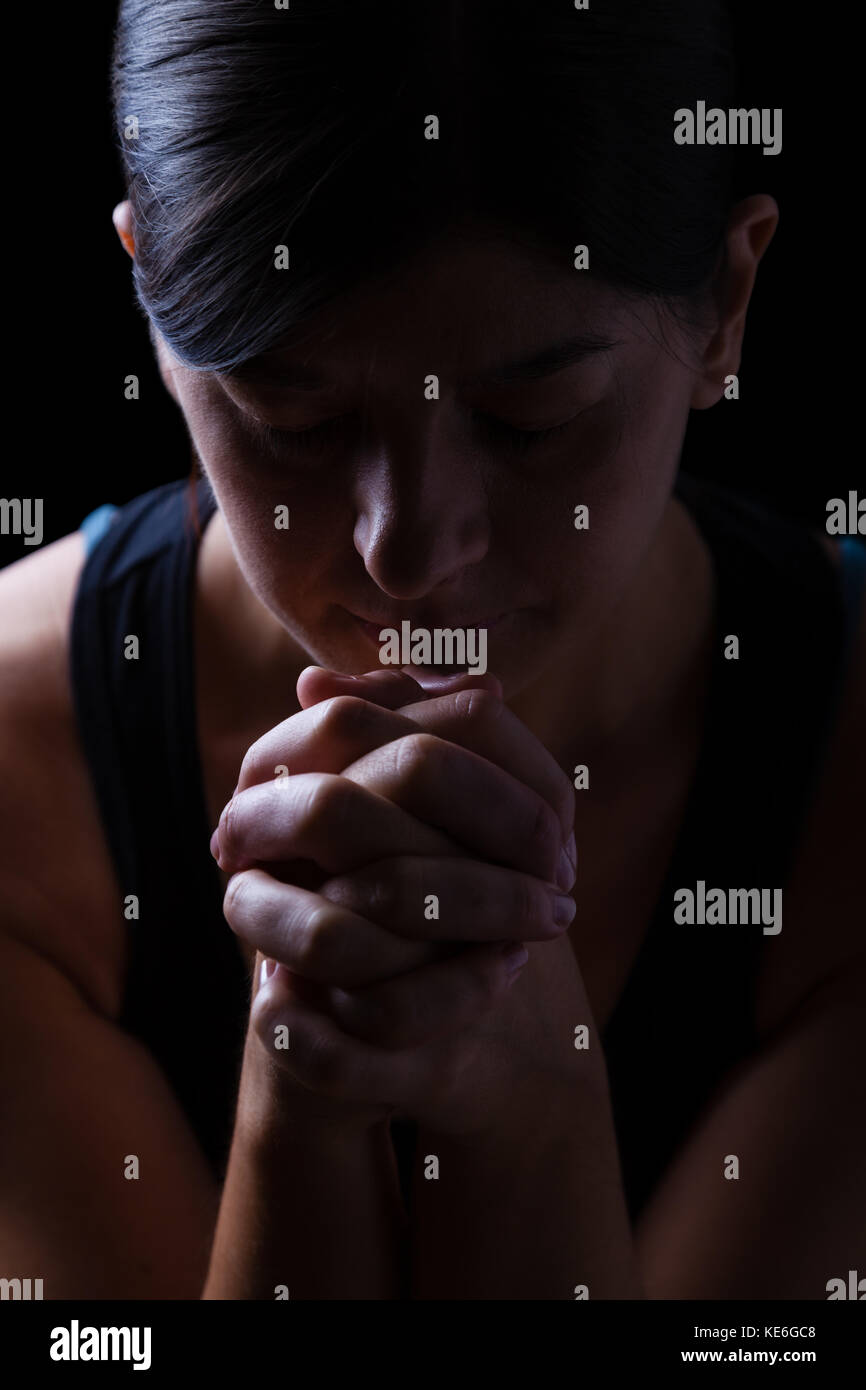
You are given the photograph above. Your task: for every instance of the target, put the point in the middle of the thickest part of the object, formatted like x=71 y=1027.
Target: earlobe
x=122 y=219
x=706 y=394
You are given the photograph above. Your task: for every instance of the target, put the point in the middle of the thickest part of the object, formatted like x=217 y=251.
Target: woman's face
x=457 y=509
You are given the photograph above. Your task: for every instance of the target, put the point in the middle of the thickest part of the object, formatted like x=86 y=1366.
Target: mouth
x=370 y=630
x=373 y=629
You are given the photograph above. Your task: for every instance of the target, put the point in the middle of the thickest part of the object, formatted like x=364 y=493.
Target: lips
x=418 y=625
x=370 y=630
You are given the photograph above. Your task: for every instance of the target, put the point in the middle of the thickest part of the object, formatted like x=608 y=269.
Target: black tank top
x=685 y=1017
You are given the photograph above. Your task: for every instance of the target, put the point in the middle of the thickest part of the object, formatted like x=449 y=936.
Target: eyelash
x=310 y=440
x=317 y=437
x=500 y=431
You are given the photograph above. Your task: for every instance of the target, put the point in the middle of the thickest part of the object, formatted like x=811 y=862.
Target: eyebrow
x=554 y=358
x=546 y=361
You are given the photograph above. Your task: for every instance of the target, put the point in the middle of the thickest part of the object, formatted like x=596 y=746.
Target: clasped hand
x=420 y=838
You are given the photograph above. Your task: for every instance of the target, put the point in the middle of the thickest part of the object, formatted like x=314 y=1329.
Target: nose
x=422 y=513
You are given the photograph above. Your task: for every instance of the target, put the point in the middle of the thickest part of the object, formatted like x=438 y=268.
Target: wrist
x=535 y=1112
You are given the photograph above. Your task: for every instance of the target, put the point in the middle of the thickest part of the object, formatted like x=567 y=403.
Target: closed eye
x=504 y=433
x=321 y=435
x=310 y=439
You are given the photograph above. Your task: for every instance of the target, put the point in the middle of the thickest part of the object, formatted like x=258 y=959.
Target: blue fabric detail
x=96 y=523
x=853 y=583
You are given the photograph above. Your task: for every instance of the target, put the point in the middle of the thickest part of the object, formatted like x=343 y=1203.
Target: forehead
x=466 y=304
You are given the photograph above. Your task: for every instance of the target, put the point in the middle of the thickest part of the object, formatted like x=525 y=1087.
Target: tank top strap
x=132 y=674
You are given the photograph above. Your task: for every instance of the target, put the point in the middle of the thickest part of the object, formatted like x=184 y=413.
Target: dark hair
x=305 y=126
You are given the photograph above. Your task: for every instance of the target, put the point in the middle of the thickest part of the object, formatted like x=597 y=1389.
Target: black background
x=73 y=440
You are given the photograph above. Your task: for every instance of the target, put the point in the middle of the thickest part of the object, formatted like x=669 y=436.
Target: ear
x=751 y=227
x=122 y=219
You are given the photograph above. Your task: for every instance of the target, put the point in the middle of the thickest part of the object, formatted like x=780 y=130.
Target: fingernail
x=565 y=874
x=515 y=955
x=571 y=851
x=215 y=844
x=267 y=970
x=564 y=908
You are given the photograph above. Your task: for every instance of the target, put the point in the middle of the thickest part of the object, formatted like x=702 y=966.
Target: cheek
x=284 y=547
x=640 y=449
x=264 y=501
x=282 y=531
x=595 y=518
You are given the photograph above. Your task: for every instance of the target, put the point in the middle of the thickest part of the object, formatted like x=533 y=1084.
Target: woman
x=435 y=296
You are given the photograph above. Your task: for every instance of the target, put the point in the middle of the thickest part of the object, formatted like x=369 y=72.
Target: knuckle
x=249 y=769
x=377 y=892
x=545 y=832
x=416 y=755
x=320 y=939
x=347 y=891
x=325 y=803
x=378 y=895
x=326 y=1063
x=230 y=829
x=346 y=716
x=236 y=899
x=385 y=889
x=477 y=707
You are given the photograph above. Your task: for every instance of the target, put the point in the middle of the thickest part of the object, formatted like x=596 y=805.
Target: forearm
x=530 y=1209
x=306 y=1207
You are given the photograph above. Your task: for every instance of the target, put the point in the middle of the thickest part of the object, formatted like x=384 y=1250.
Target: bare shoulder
x=56 y=879
x=823 y=939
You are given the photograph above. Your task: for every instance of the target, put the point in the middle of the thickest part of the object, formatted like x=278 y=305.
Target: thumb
x=433 y=683
x=390 y=689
